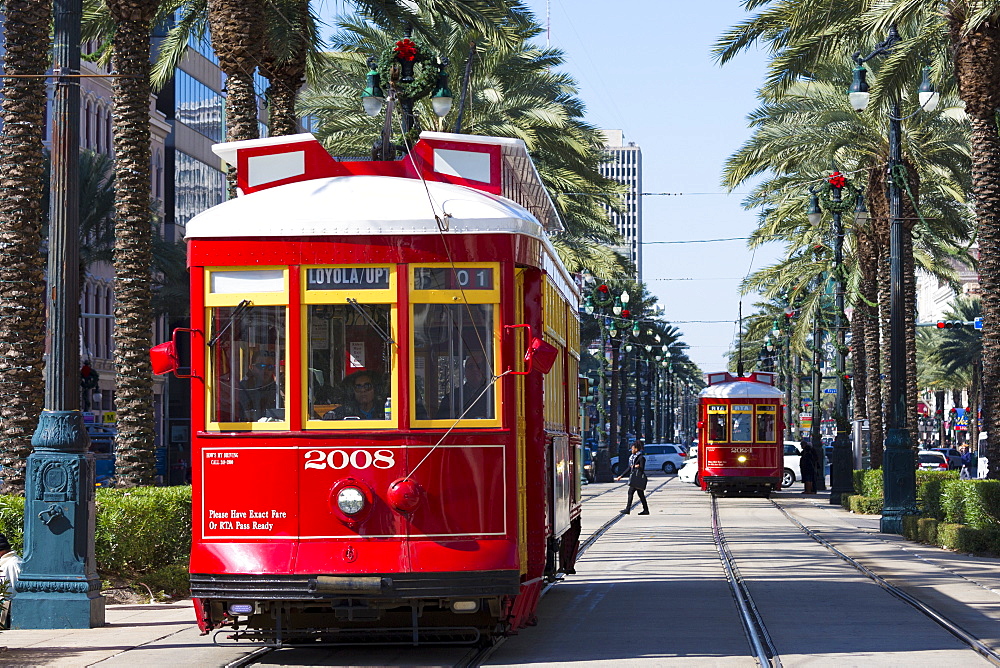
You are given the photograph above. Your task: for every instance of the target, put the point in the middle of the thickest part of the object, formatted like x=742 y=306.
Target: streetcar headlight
x=464 y=606
x=742 y=459
x=350 y=500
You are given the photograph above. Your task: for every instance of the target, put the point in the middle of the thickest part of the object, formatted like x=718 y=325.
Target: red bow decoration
x=837 y=180
x=602 y=288
x=406 y=50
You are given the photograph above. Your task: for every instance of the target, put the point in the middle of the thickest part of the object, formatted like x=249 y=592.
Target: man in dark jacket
x=807 y=468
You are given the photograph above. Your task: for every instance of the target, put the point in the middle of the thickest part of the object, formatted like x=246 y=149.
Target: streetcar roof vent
x=496 y=165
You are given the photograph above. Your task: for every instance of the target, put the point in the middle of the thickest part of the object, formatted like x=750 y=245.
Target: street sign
x=978 y=322
x=830 y=390
x=109 y=417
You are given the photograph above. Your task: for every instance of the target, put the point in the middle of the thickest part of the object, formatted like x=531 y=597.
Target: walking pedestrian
x=10 y=570
x=807 y=468
x=636 y=478
x=969 y=463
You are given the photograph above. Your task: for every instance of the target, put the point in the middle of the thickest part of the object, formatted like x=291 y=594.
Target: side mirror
x=539 y=355
x=165 y=358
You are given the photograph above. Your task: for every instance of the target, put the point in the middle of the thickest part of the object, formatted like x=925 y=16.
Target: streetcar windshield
x=349 y=362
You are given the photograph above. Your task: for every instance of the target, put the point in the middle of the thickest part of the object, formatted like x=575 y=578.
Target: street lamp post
x=898 y=470
x=841 y=478
x=59 y=587
x=411 y=73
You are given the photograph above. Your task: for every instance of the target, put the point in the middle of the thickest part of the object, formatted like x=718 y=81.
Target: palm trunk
x=22 y=276
x=133 y=249
x=237 y=27
x=976 y=55
x=286 y=75
x=859 y=366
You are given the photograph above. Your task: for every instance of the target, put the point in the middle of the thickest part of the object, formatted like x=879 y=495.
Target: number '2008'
x=341 y=459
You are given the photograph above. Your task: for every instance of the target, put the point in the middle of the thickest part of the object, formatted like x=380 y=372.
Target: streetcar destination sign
x=342 y=278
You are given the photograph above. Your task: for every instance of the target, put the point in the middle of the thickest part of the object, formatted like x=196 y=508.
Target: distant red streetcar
x=739 y=434
x=385 y=444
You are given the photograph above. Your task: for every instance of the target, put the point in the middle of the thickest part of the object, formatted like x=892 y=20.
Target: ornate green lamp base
x=899 y=481
x=59 y=587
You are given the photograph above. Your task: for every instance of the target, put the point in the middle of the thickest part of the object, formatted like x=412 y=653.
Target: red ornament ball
x=626 y=313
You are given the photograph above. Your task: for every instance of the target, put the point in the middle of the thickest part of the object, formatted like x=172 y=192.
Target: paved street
x=651 y=591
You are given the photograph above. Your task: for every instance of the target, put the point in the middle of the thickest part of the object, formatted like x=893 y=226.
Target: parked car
x=932 y=460
x=953 y=455
x=668 y=457
x=790 y=472
x=689 y=471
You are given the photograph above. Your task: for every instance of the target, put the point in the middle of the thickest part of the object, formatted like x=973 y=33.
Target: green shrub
x=869 y=483
x=911 y=527
x=859 y=481
x=142 y=529
x=982 y=503
x=866 y=505
x=12 y=521
x=170 y=581
x=927 y=530
x=953 y=501
x=845 y=501
x=138 y=530
x=929 y=485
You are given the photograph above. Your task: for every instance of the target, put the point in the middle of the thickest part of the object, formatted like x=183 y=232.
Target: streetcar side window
x=248 y=364
x=766 y=424
x=454 y=365
x=742 y=424
x=349 y=362
x=454 y=333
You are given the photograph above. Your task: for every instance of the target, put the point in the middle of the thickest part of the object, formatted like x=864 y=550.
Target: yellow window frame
x=275 y=298
x=769 y=410
x=220 y=300
x=741 y=409
x=455 y=297
x=718 y=409
x=310 y=422
x=470 y=296
x=373 y=296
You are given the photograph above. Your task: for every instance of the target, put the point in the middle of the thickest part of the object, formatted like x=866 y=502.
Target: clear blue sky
x=645 y=67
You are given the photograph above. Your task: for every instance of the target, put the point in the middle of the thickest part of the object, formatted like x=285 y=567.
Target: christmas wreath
x=425 y=72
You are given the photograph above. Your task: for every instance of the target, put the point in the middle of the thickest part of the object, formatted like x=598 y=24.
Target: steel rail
x=753 y=624
x=951 y=627
x=479 y=656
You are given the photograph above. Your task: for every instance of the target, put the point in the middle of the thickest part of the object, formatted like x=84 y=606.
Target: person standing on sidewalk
x=969 y=464
x=807 y=468
x=10 y=570
x=636 y=478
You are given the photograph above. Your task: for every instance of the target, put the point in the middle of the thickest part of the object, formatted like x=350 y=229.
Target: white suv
x=667 y=457
x=791 y=464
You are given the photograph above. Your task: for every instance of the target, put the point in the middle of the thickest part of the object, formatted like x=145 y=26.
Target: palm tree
x=958 y=353
x=133 y=239
x=22 y=312
x=967 y=32
x=796 y=138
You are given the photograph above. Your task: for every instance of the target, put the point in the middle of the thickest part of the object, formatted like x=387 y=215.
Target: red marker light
x=941 y=325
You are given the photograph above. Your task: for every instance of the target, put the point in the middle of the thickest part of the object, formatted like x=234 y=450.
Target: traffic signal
x=951 y=324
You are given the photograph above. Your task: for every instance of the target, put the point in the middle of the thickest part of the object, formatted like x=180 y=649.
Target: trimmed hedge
x=139 y=530
x=962 y=515
x=866 y=505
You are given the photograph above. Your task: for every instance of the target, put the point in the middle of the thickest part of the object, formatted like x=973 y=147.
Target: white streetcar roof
x=741 y=389
x=364 y=205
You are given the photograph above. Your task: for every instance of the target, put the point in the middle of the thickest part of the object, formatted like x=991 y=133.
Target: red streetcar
x=385 y=444
x=739 y=434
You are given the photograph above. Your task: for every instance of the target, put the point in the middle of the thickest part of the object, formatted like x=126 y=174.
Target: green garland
x=845 y=205
x=425 y=72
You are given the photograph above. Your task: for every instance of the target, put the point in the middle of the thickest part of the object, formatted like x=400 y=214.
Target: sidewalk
x=963 y=588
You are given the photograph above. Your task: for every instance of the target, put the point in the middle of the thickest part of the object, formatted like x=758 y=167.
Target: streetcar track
x=478 y=656
x=753 y=624
x=951 y=627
